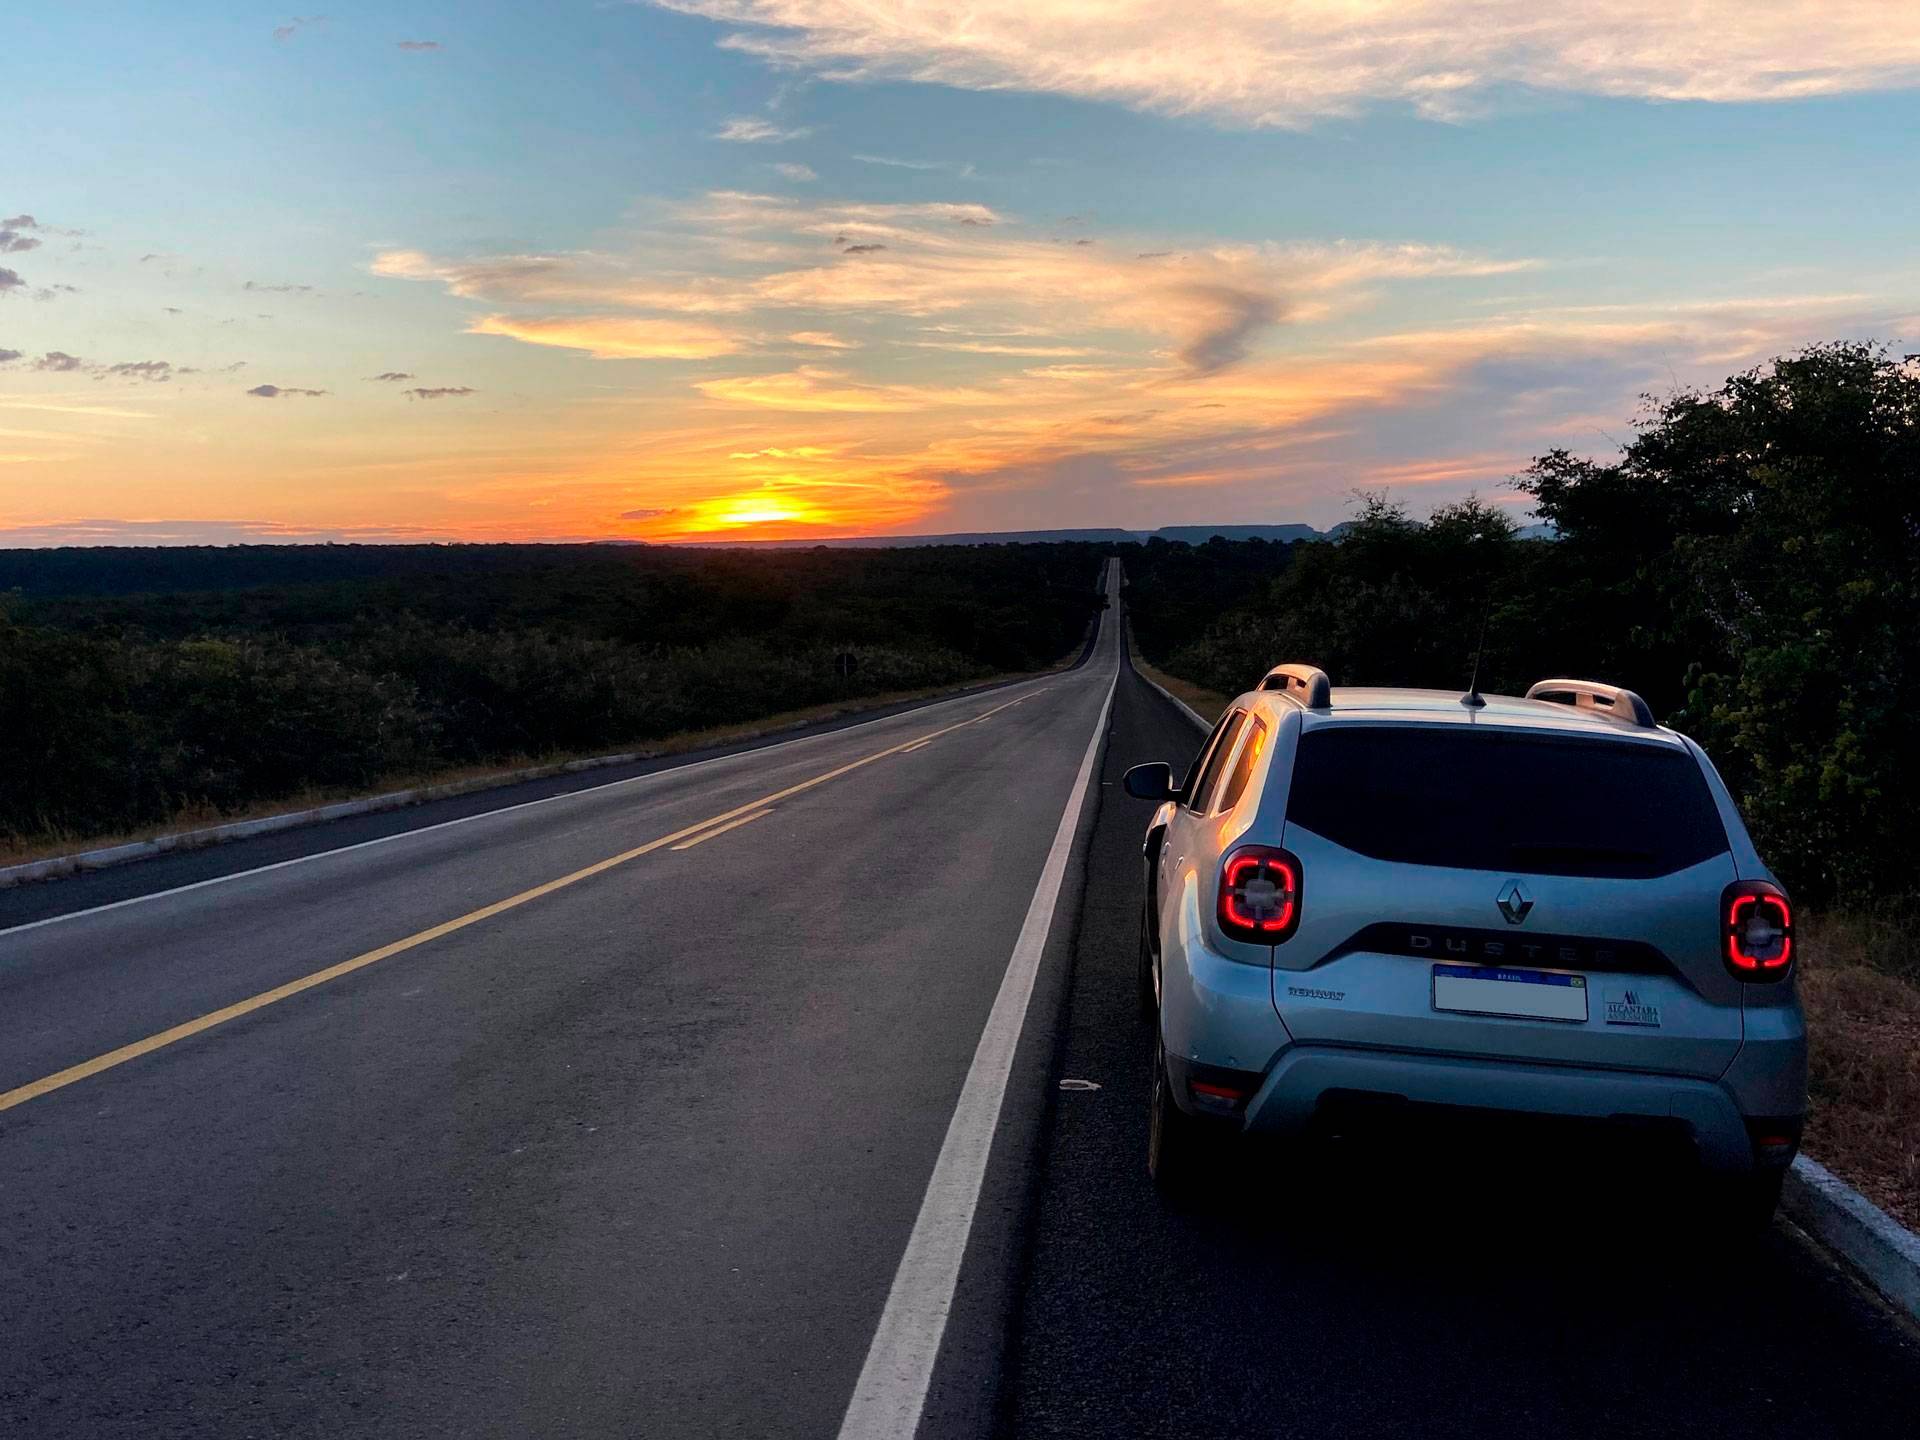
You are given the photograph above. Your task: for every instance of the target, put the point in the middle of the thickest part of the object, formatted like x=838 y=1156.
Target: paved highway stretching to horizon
x=721 y=1099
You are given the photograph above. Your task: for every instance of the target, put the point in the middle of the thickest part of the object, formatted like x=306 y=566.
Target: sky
x=716 y=269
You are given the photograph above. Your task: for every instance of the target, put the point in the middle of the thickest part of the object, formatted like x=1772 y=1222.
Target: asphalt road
x=640 y=1152
x=635 y=1155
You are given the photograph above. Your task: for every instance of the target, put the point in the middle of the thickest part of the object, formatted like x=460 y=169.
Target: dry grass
x=20 y=850
x=1860 y=982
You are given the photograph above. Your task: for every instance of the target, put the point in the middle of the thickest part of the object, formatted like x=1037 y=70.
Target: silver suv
x=1414 y=901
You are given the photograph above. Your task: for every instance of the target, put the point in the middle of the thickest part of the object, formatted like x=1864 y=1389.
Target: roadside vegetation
x=1750 y=563
x=214 y=692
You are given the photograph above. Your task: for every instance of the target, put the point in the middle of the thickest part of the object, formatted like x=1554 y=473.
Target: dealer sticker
x=1626 y=1007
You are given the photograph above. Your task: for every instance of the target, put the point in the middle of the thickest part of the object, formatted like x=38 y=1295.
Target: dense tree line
x=123 y=709
x=1750 y=563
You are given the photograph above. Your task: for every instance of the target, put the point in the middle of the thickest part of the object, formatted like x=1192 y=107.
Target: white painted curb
x=1884 y=1251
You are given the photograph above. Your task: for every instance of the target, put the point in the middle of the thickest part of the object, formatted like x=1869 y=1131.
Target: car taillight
x=1259 y=894
x=1756 y=930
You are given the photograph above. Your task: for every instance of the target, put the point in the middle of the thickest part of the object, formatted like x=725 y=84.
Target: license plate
x=1496 y=990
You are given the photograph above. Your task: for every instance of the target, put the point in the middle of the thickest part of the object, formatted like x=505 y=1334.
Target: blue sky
x=978 y=266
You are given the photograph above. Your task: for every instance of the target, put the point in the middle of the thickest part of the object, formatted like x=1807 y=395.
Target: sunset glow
x=800 y=268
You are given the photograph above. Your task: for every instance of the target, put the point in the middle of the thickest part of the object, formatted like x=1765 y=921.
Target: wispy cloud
x=392 y=375
x=615 y=337
x=154 y=371
x=823 y=339
x=260 y=289
x=277 y=392
x=816 y=389
x=991 y=347
x=1212 y=306
x=10 y=280
x=438 y=392
x=7 y=357
x=961 y=168
x=1291 y=64
x=793 y=170
x=418 y=47
x=294 y=26
x=60 y=362
x=751 y=130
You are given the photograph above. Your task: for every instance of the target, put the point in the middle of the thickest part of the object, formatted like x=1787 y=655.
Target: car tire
x=1175 y=1142
x=1149 y=997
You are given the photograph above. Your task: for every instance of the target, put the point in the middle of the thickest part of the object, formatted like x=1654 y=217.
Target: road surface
x=662 y=1108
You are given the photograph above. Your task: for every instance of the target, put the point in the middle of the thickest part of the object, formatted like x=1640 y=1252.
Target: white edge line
x=892 y=1389
x=509 y=809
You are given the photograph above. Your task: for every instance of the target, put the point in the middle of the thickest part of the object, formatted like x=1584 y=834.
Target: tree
x=1765 y=538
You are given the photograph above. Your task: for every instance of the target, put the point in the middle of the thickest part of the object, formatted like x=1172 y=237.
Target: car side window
x=1250 y=750
x=1199 y=801
x=1205 y=753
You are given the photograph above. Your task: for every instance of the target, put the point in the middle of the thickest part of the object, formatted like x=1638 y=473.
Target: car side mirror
x=1153 y=781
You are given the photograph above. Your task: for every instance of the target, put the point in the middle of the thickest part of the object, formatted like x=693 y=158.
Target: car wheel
x=1174 y=1144
x=1149 y=998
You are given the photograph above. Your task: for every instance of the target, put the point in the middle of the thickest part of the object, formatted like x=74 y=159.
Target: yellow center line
x=86 y=1069
x=706 y=835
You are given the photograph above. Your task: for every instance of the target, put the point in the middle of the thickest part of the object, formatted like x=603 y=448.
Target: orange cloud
x=614 y=337
x=811 y=388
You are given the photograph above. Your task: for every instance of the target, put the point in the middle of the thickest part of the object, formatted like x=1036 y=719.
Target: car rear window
x=1484 y=800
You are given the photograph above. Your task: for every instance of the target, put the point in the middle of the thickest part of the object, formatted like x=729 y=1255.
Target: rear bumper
x=1305 y=1076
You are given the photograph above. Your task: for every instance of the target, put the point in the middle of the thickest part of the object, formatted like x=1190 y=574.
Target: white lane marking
x=503 y=810
x=722 y=829
x=915 y=746
x=892 y=1389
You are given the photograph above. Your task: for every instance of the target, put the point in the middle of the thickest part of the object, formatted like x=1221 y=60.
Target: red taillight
x=1259 y=894
x=1756 y=930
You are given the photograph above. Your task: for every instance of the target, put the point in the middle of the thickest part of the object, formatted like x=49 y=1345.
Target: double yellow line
x=691 y=835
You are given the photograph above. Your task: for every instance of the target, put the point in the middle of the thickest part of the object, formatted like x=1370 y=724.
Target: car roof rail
x=1620 y=703
x=1305 y=683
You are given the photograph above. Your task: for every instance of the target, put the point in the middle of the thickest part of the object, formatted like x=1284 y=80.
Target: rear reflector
x=1219 y=1092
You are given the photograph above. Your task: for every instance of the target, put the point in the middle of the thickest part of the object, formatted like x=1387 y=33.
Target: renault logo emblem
x=1514 y=903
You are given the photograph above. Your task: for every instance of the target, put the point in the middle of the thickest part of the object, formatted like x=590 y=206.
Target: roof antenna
x=1473 y=699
